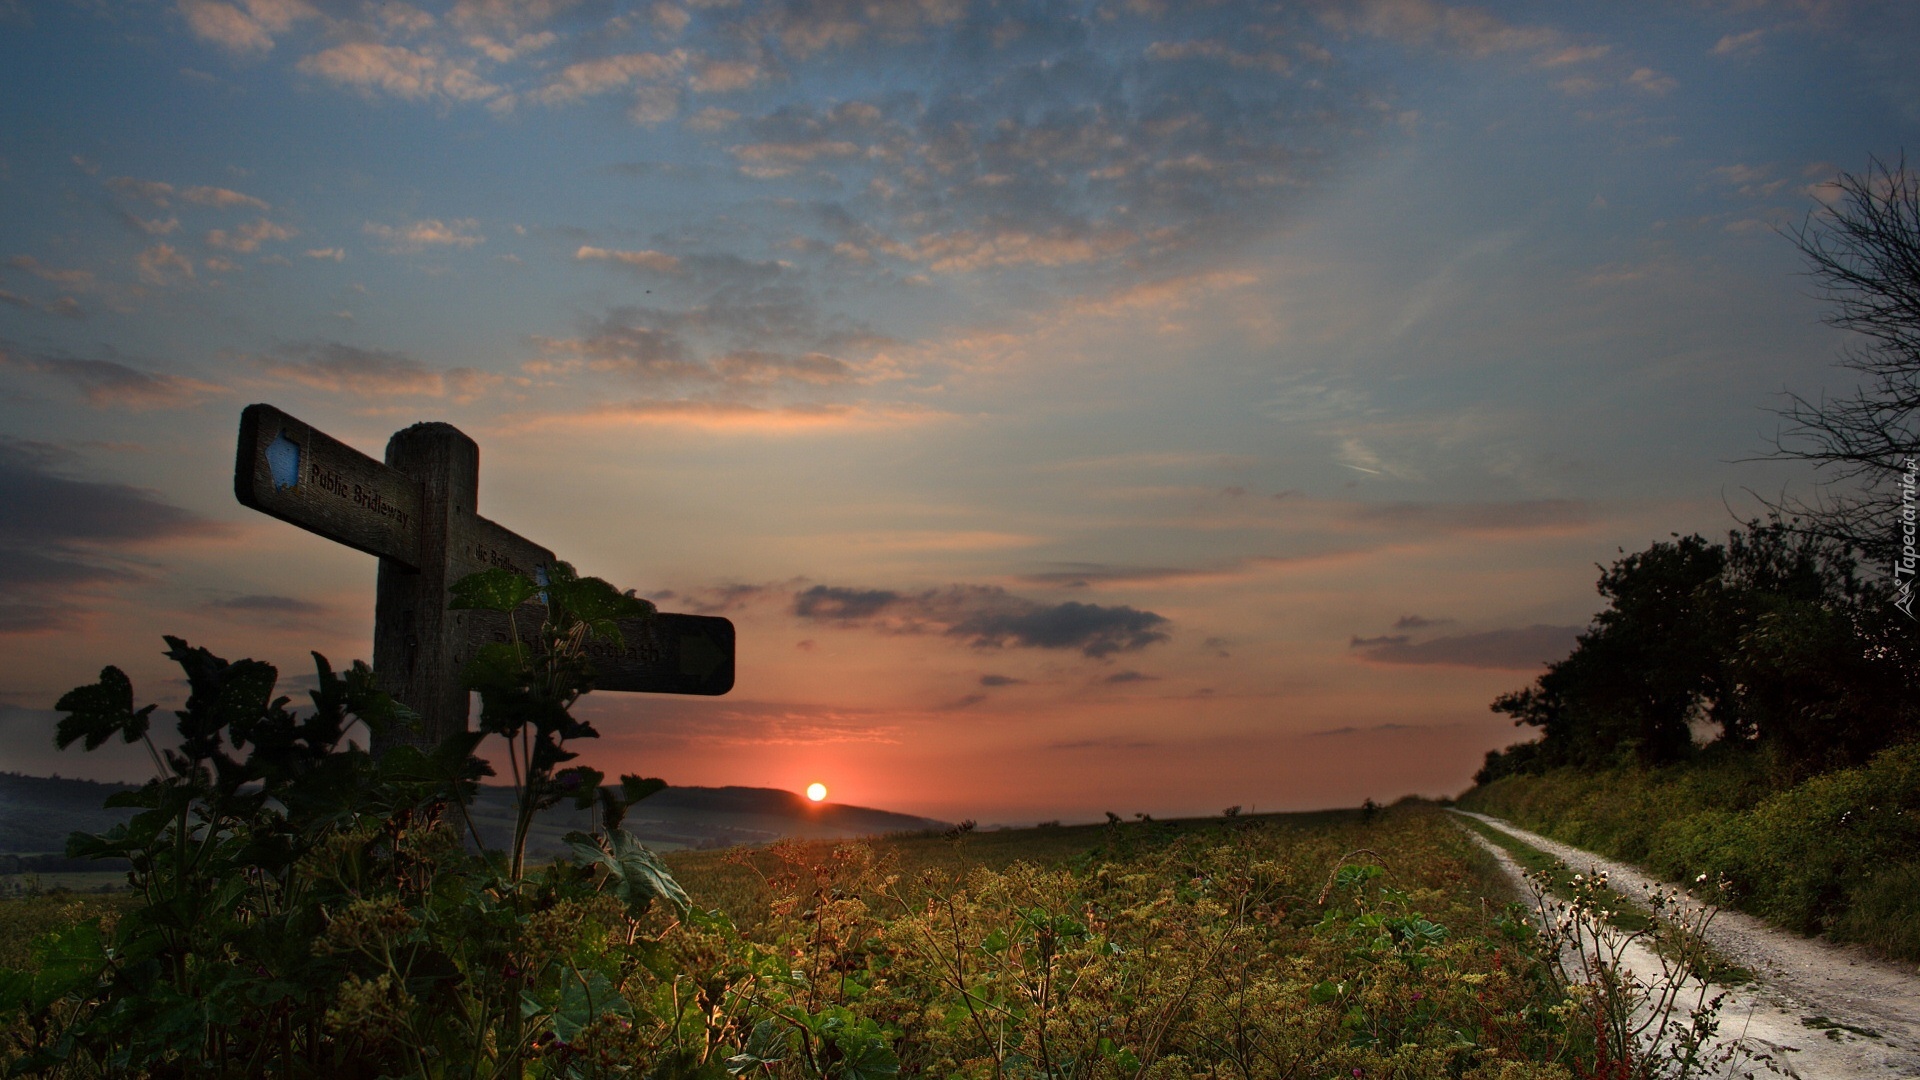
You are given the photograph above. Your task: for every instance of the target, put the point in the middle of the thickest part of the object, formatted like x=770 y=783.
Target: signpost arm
x=419 y=646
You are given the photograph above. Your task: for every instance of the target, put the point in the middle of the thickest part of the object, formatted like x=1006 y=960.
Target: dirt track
x=1841 y=989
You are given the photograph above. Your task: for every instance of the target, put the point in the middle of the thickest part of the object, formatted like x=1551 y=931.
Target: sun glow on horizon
x=816 y=791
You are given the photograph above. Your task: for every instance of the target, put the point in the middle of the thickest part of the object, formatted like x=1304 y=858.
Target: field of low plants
x=1308 y=945
x=1838 y=853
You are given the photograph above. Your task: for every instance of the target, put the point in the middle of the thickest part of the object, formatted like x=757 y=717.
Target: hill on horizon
x=37 y=813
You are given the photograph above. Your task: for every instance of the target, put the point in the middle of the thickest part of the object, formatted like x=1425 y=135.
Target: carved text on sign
x=498 y=559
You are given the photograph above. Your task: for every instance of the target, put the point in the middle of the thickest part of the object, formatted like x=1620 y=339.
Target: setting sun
x=816 y=791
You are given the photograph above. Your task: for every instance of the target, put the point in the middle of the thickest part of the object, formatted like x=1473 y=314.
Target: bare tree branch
x=1863 y=248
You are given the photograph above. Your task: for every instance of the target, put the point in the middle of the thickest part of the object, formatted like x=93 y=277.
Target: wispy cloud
x=63 y=536
x=247 y=238
x=162 y=194
x=427 y=234
x=246 y=28
x=373 y=373
x=1517 y=649
x=163 y=264
x=109 y=384
x=267 y=606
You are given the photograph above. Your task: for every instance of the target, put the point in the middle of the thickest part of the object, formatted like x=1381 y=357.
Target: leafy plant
x=305 y=907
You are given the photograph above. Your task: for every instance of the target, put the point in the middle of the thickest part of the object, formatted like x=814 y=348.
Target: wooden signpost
x=417 y=513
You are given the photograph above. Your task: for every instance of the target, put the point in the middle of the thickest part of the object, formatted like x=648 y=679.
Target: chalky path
x=1800 y=978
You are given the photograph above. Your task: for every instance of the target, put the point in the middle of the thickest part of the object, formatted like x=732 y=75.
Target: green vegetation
x=1837 y=853
x=1305 y=945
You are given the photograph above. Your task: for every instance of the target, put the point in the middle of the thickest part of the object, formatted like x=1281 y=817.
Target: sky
x=1116 y=405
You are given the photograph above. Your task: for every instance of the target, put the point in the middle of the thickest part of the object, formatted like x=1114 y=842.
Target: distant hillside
x=701 y=817
x=37 y=813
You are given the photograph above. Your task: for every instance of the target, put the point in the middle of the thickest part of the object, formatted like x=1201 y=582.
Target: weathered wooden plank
x=287 y=469
x=667 y=654
x=419 y=646
x=418 y=513
x=475 y=544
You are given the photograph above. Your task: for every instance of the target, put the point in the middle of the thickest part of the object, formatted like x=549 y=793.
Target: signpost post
x=417 y=513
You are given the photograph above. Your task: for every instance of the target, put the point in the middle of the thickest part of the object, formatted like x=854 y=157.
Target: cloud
x=986 y=616
x=222 y=198
x=1218 y=51
x=426 y=234
x=61 y=536
x=1746 y=43
x=1107 y=742
x=720 y=599
x=727 y=76
x=1120 y=678
x=658 y=262
x=1081 y=575
x=1575 y=54
x=268 y=606
x=509 y=18
x=1001 y=680
x=372 y=373
x=162 y=264
x=598 y=76
x=1372 y=729
x=1416 y=622
x=65 y=307
x=72 y=279
x=809 y=27
x=157 y=192
x=1653 y=82
x=722 y=416
x=969 y=250
x=751 y=339
x=400 y=71
x=249 y=31
x=248 y=238
x=1472 y=30
x=1524 y=516
x=1517 y=649
x=712 y=118
x=107 y=384
x=333 y=253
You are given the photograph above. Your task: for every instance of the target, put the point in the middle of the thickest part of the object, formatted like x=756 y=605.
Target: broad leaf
x=586 y=996
x=592 y=601
x=636 y=874
x=100 y=711
x=492 y=590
